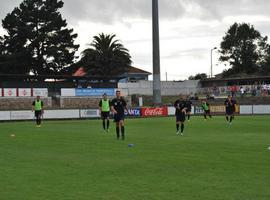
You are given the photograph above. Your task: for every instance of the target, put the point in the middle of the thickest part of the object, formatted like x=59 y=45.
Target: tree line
x=38 y=41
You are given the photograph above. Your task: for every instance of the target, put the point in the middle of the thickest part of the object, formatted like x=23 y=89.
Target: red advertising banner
x=160 y=111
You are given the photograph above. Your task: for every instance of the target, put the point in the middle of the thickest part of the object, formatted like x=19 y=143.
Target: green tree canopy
x=265 y=62
x=198 y=76
x=244 y=49
x=37 y=39
x=106 y=56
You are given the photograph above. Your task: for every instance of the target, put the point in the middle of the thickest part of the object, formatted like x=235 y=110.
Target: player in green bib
x=206 y=109
x=104 y=108
x=37 y=106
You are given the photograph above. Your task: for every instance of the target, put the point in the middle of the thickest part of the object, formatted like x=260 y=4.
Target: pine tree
x=38 y=39
x=243 y=48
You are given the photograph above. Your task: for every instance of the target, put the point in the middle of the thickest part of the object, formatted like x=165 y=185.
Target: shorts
x=229 y=112
x=38 y=113
x=180 y=117
x=105 y=115
x=207 y=112
x=118 y=118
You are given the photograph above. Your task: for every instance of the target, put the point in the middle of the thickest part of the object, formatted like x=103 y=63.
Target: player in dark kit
x=37 y=106
x=230 y=108
x=180 y=114
x=104 y=109
x=206 y=109
x=118 y=107
x=188 y=105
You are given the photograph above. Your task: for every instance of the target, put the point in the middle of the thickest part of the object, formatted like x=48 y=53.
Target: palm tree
x=106 y=56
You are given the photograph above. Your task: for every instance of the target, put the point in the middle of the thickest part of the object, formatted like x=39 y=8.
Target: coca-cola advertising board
x=159 y=111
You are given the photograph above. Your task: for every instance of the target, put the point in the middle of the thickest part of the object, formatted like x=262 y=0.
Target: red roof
x=135 y=70
x=132 y=70
x=79 y=72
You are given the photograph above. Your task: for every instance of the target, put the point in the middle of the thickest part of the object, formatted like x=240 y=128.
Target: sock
x=188 y=117
x=227 y=118
x=37 y=121
x=177 y=127
x=108 y=123
x=123 y=132
x=117 y=132
x=103 y=124
x=210 y=116
x=231 y=118
x=204 y=116
x=182 y=128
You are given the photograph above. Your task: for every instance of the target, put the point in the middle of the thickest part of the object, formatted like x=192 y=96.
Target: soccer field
x=76 y=160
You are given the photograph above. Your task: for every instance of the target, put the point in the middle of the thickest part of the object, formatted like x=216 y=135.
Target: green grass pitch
x=76 y=160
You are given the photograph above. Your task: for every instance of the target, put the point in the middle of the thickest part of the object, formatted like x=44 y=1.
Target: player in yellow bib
x=104 y=108
x=37 y=106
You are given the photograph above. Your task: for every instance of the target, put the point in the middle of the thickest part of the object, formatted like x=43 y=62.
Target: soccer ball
x=130 y=145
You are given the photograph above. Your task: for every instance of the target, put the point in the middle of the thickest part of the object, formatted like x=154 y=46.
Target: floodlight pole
x=156 y=56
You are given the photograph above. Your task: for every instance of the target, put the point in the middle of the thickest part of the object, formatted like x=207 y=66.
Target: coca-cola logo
x=154 y=111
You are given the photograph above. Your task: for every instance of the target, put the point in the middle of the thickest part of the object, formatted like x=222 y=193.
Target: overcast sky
x=189 y=29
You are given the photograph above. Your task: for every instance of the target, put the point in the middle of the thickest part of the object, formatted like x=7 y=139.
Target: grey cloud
x=111 y=11
x=221 y=8
x=7 y=6
x=197 y=53
x=107 y=11
x=263 y=28
x=104 y=11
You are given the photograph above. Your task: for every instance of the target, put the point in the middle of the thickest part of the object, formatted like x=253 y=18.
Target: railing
x=245 y=90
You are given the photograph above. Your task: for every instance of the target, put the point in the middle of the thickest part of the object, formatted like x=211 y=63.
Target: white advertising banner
x=21 y=115
x=43 y=92
x=61 y=114
x=10 y=92
x=24 y=92
x=89 y=113
x=261 y=109
x=171 y=110
x=4 y=115
x=246 y=109
x=68 y=92
x=1 y=93
x=192 y=110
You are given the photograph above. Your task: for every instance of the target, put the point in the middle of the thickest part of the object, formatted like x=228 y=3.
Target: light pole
x=211 y=67
x=156 y=56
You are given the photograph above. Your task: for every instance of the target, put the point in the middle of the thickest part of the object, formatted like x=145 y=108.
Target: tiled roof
x=132 y=70
x=135 y=70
